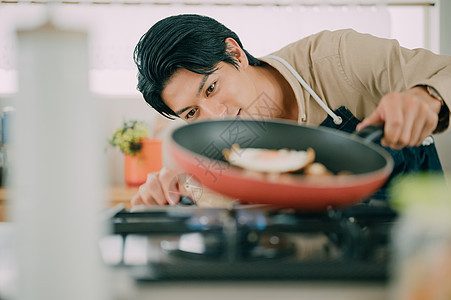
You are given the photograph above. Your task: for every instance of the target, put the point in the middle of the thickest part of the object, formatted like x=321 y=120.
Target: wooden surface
x=3 y=197
x=121 y=194
x=116 y=195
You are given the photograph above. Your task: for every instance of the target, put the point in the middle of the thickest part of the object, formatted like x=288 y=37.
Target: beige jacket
x=355 y=70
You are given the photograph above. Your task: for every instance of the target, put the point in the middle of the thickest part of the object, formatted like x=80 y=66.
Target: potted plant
x=142 y=155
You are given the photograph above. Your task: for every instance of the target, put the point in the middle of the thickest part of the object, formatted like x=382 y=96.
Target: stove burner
x=348 y=243
x=250 y=246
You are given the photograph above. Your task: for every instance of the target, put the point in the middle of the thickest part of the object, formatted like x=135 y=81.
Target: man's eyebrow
x=202 y=83
x=180 y=111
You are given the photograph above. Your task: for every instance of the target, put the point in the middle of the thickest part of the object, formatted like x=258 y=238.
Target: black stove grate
x=259 y=243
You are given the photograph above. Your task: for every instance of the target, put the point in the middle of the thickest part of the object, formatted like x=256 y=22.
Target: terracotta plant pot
x=147 y=160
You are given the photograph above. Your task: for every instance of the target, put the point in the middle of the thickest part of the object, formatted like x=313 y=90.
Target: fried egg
x=268 y=160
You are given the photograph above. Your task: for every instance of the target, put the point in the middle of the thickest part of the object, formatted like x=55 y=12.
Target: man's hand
x=161 y=188
x=409 y=117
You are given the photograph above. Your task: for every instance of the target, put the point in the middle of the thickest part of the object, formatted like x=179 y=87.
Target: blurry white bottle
x=56 y=173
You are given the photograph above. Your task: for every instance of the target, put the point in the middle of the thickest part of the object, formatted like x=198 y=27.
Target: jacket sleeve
x=379 y=66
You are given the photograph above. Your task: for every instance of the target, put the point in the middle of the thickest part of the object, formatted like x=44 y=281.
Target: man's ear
x=237 y=52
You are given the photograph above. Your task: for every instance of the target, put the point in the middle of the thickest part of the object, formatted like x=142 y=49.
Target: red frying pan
x=197 y=148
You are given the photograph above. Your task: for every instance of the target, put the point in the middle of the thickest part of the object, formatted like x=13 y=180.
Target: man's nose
x=212 y=109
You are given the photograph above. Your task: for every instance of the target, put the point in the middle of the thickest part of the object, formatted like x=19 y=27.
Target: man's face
x=227 y=92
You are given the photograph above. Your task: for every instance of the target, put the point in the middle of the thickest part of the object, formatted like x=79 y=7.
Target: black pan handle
x=372 y=133
x=186 y=201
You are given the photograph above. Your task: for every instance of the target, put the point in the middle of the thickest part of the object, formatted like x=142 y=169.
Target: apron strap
x=337 y=119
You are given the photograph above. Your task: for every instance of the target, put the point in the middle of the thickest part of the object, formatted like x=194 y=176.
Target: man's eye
x=211 y=88
x=191 y=113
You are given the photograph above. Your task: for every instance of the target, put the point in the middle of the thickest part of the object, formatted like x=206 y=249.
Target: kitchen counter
x=120 y=286
x=262 y=290
x=116 y=194
x=121 y=194
x=3 y=197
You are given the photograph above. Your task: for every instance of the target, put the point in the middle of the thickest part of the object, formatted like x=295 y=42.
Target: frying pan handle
x=372 y=133
x=186 y=201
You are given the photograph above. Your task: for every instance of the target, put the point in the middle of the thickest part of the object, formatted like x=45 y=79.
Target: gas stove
x=251 y=242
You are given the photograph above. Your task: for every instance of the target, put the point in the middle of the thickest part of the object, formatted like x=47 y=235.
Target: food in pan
x=267 y=160
x=317 y=169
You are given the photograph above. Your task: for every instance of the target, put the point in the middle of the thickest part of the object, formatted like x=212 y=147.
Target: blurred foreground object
x=422 y=239
x=56 y=169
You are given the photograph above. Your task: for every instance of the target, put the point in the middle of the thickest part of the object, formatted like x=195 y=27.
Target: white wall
x=115 y=29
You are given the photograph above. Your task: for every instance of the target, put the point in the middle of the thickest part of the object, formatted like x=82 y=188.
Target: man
x=194 y=68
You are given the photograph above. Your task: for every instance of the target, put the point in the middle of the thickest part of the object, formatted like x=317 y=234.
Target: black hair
x=193 y=42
